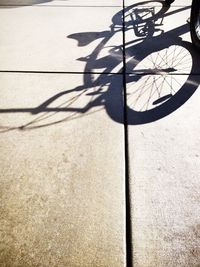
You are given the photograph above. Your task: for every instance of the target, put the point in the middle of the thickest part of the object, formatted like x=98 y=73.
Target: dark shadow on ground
x=161 y=72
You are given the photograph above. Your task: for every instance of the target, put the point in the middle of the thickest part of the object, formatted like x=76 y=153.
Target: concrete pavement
x=62 y=135
x=162 y=87
x=62 y=157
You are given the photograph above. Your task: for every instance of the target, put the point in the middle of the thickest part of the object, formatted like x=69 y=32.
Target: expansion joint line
x=128 y=226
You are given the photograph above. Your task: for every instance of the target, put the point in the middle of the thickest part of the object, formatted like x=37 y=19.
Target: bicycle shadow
x=171 y=59
x=147 y=84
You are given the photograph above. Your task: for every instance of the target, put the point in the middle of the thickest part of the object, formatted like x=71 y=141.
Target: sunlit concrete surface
x=163 y=98
x=62 y=134
x=62 y=174
x=164 y=163
x=63 y=2
x=57 y=38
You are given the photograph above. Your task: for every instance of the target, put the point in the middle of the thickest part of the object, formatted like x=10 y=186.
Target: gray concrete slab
x=62 y=138
x=70 y=39
x=62 y=170
x=164 y=169
x=163 y=118
x=89 y=3
x=62 y=2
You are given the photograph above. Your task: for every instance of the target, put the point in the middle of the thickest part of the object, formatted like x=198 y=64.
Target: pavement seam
x=128 y=222
x=58 y=72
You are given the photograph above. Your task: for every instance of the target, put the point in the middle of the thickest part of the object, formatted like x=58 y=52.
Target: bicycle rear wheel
x=195 y=23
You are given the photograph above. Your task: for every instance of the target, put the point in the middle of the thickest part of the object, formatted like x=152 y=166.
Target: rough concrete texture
x=164 y=157
x=62 y=175
x=164 y=144
x=62 y=134
x=62 y=156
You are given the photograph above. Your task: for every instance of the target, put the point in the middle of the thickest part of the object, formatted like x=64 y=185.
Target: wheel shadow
x=162 y=72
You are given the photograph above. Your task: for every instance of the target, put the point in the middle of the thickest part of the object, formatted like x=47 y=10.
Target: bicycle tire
x=195 y=23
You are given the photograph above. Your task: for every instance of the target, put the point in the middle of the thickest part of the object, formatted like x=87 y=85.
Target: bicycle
x=194 y=21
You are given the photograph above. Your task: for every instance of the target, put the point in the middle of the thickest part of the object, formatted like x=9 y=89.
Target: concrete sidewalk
x=63 y=129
